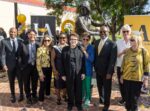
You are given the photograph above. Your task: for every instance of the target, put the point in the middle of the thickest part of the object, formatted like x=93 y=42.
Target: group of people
x=72 y=62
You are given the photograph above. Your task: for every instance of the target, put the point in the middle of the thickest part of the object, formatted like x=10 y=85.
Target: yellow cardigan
x=132 y=66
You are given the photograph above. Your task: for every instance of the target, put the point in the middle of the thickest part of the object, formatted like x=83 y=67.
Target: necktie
x=100 y=46
x=14 y=46
x=32 y=54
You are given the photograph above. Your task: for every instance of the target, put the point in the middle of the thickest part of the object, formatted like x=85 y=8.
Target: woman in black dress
x=57 y=67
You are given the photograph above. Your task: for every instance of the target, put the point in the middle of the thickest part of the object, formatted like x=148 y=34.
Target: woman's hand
x=145 y=81
x=64 y=78
x=121 y=80
x=56 y=75
x=42 y=78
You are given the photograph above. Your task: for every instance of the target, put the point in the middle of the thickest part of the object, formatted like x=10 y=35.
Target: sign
x=30 y=2
x=140 y=23
x=44 y=25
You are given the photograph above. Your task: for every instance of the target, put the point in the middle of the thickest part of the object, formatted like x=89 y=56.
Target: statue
x=84 y=20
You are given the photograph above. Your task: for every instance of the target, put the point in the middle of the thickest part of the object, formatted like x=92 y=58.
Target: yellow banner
x=140 y=23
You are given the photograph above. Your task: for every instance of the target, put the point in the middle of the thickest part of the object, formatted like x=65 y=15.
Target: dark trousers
x=12 y=74
x=104 y=89
x=46 y=84
x=74 y=90
x=132 y=92
x=30 y=77
x=121 y=86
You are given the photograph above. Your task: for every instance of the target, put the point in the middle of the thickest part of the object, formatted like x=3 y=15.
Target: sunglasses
x=132 y=40
x=47 y=40
x=86 y=39
x=103 y=32
x=62 y=38
x=125 y=31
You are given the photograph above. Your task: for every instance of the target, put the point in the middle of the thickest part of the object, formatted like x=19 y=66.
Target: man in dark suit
x=30 y=71
x=12 y=61
x=105 y=58
x=73 y=72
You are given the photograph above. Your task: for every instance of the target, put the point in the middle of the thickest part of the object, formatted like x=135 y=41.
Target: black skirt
x=59 y=83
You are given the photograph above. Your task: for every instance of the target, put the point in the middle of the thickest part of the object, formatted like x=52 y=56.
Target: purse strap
x=143 y=56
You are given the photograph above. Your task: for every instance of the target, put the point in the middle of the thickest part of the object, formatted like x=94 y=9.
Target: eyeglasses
x=125 y=31
x=86 y=39
x=132 y=40
x=73 y=39
x=47 y=40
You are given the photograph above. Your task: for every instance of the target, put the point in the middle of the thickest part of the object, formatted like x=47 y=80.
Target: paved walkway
x=50 y=104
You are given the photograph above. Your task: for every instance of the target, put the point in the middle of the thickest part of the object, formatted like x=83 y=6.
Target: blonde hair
x=126 y=27
x=46 y=36
x=138 y=40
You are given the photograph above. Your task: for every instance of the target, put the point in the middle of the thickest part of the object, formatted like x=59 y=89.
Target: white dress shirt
x=121 y=45
x=16 y=42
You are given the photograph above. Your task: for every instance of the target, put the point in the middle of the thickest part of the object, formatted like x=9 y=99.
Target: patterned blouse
x=133 y=66
x=42 y=59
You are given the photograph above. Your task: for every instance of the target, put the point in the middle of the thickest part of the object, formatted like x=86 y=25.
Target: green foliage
x=117 y=9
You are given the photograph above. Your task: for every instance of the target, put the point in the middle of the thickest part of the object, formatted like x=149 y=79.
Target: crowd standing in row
x=72 y=62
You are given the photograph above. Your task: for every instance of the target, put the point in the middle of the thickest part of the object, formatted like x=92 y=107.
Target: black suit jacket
x=26 y=52
x=8 y=56
x=105 y=61
x=80 y=63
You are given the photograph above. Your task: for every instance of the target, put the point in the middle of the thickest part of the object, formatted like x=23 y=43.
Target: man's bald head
x=13 y=32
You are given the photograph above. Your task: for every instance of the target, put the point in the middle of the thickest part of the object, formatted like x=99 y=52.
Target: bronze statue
x=84 y=20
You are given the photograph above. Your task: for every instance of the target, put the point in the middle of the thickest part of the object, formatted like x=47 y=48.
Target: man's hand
x=5 y=68
x=108 y=76
x=64 y=78
x=42 y=78
x=82 y=76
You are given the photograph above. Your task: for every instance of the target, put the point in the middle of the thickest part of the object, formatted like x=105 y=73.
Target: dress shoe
x=69 y=108
x=105 y=109
x=58 y=101
x=101 y=101
x=13 y=99
x=35 y=100
x=65 y=98
x=80 y=108
x=29 y=101
x=21 y=98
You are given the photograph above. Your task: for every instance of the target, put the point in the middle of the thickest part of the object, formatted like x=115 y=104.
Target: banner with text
x=44 y=25
x=140 y=23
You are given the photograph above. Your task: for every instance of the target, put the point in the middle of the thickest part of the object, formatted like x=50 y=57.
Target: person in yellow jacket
x=43 y=63
x=135 y=70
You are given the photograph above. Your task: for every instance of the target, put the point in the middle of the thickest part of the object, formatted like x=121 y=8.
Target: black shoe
x=121 y=102
x=80 y=108
x=13 y=99
x=21 y=98
x=101 y=101
x=69 y=108
x=35 y=100
x=58 y=101
x=105 y=109
x=65 y=98
x=29 y=101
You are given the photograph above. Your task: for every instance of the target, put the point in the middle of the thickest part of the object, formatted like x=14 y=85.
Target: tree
x=116 y=8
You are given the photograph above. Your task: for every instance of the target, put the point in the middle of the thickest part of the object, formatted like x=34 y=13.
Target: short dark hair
x=31 y=30
x=105 y=25
x=75 y=35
